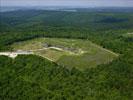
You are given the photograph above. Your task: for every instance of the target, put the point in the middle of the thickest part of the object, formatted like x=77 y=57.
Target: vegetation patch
x=113 y=20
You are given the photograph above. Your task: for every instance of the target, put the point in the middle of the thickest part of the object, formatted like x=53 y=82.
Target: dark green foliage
x=35 y=78
x=112 y=20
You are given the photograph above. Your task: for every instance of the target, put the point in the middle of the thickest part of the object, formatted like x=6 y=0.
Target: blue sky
x=84 y=3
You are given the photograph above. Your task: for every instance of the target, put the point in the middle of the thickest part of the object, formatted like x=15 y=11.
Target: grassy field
x=81 y=54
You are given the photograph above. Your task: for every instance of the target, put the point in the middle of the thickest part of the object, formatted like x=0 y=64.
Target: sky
x=74 y=3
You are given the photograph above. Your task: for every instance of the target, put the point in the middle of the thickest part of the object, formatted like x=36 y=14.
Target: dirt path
x=59 y=49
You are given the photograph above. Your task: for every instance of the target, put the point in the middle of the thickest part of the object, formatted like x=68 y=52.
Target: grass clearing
x=70 y=53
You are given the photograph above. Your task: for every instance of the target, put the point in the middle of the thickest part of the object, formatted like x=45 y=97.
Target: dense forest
x=35 y=78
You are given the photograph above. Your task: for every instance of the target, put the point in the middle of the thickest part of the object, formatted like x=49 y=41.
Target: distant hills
x=69 y=9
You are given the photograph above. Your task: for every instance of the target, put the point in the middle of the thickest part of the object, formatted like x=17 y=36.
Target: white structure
x=15 y=54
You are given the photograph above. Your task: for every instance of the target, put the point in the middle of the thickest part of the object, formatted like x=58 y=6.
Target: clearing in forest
x=81 y=54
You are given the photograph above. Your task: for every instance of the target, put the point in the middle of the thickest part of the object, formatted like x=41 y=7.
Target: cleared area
x=81 y=54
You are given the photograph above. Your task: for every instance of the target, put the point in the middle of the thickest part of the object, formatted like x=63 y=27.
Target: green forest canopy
x=35 y=78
